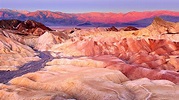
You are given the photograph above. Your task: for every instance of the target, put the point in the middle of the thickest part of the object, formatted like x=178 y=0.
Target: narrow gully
x=33 y=66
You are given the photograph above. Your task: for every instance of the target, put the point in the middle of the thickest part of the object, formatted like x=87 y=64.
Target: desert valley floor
x=39 y=63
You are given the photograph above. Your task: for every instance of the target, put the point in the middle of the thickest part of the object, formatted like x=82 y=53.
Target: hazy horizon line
x=86 y=11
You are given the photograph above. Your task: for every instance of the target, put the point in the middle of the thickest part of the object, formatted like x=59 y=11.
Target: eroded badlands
x=93 y=64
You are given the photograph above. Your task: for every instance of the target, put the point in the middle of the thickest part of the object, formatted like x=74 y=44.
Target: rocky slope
x=97 y=64
x=14 y=54
x=159 y=27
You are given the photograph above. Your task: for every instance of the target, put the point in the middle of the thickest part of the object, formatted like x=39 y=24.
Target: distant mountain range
x=50 y=18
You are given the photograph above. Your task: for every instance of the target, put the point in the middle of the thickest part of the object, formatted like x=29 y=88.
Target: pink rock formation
x=96 y=64
x=132 y=71
x=48 y=39
x=143 y=57
x=149 y=52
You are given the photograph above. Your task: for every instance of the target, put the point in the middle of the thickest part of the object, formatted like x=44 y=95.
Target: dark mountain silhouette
x=28 y=27
x=85 y=24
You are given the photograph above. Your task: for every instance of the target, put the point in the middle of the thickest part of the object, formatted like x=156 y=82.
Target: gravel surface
x=33 y=66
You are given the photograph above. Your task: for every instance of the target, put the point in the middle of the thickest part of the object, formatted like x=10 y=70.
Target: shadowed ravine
x=33 y=66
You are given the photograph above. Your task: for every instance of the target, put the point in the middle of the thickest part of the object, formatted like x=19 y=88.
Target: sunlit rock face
x=49 y=39
x=160 y=29
x=14 y=54
x=150 y=53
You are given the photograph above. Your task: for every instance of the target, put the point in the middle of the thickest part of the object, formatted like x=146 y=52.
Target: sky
x=81 y=6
